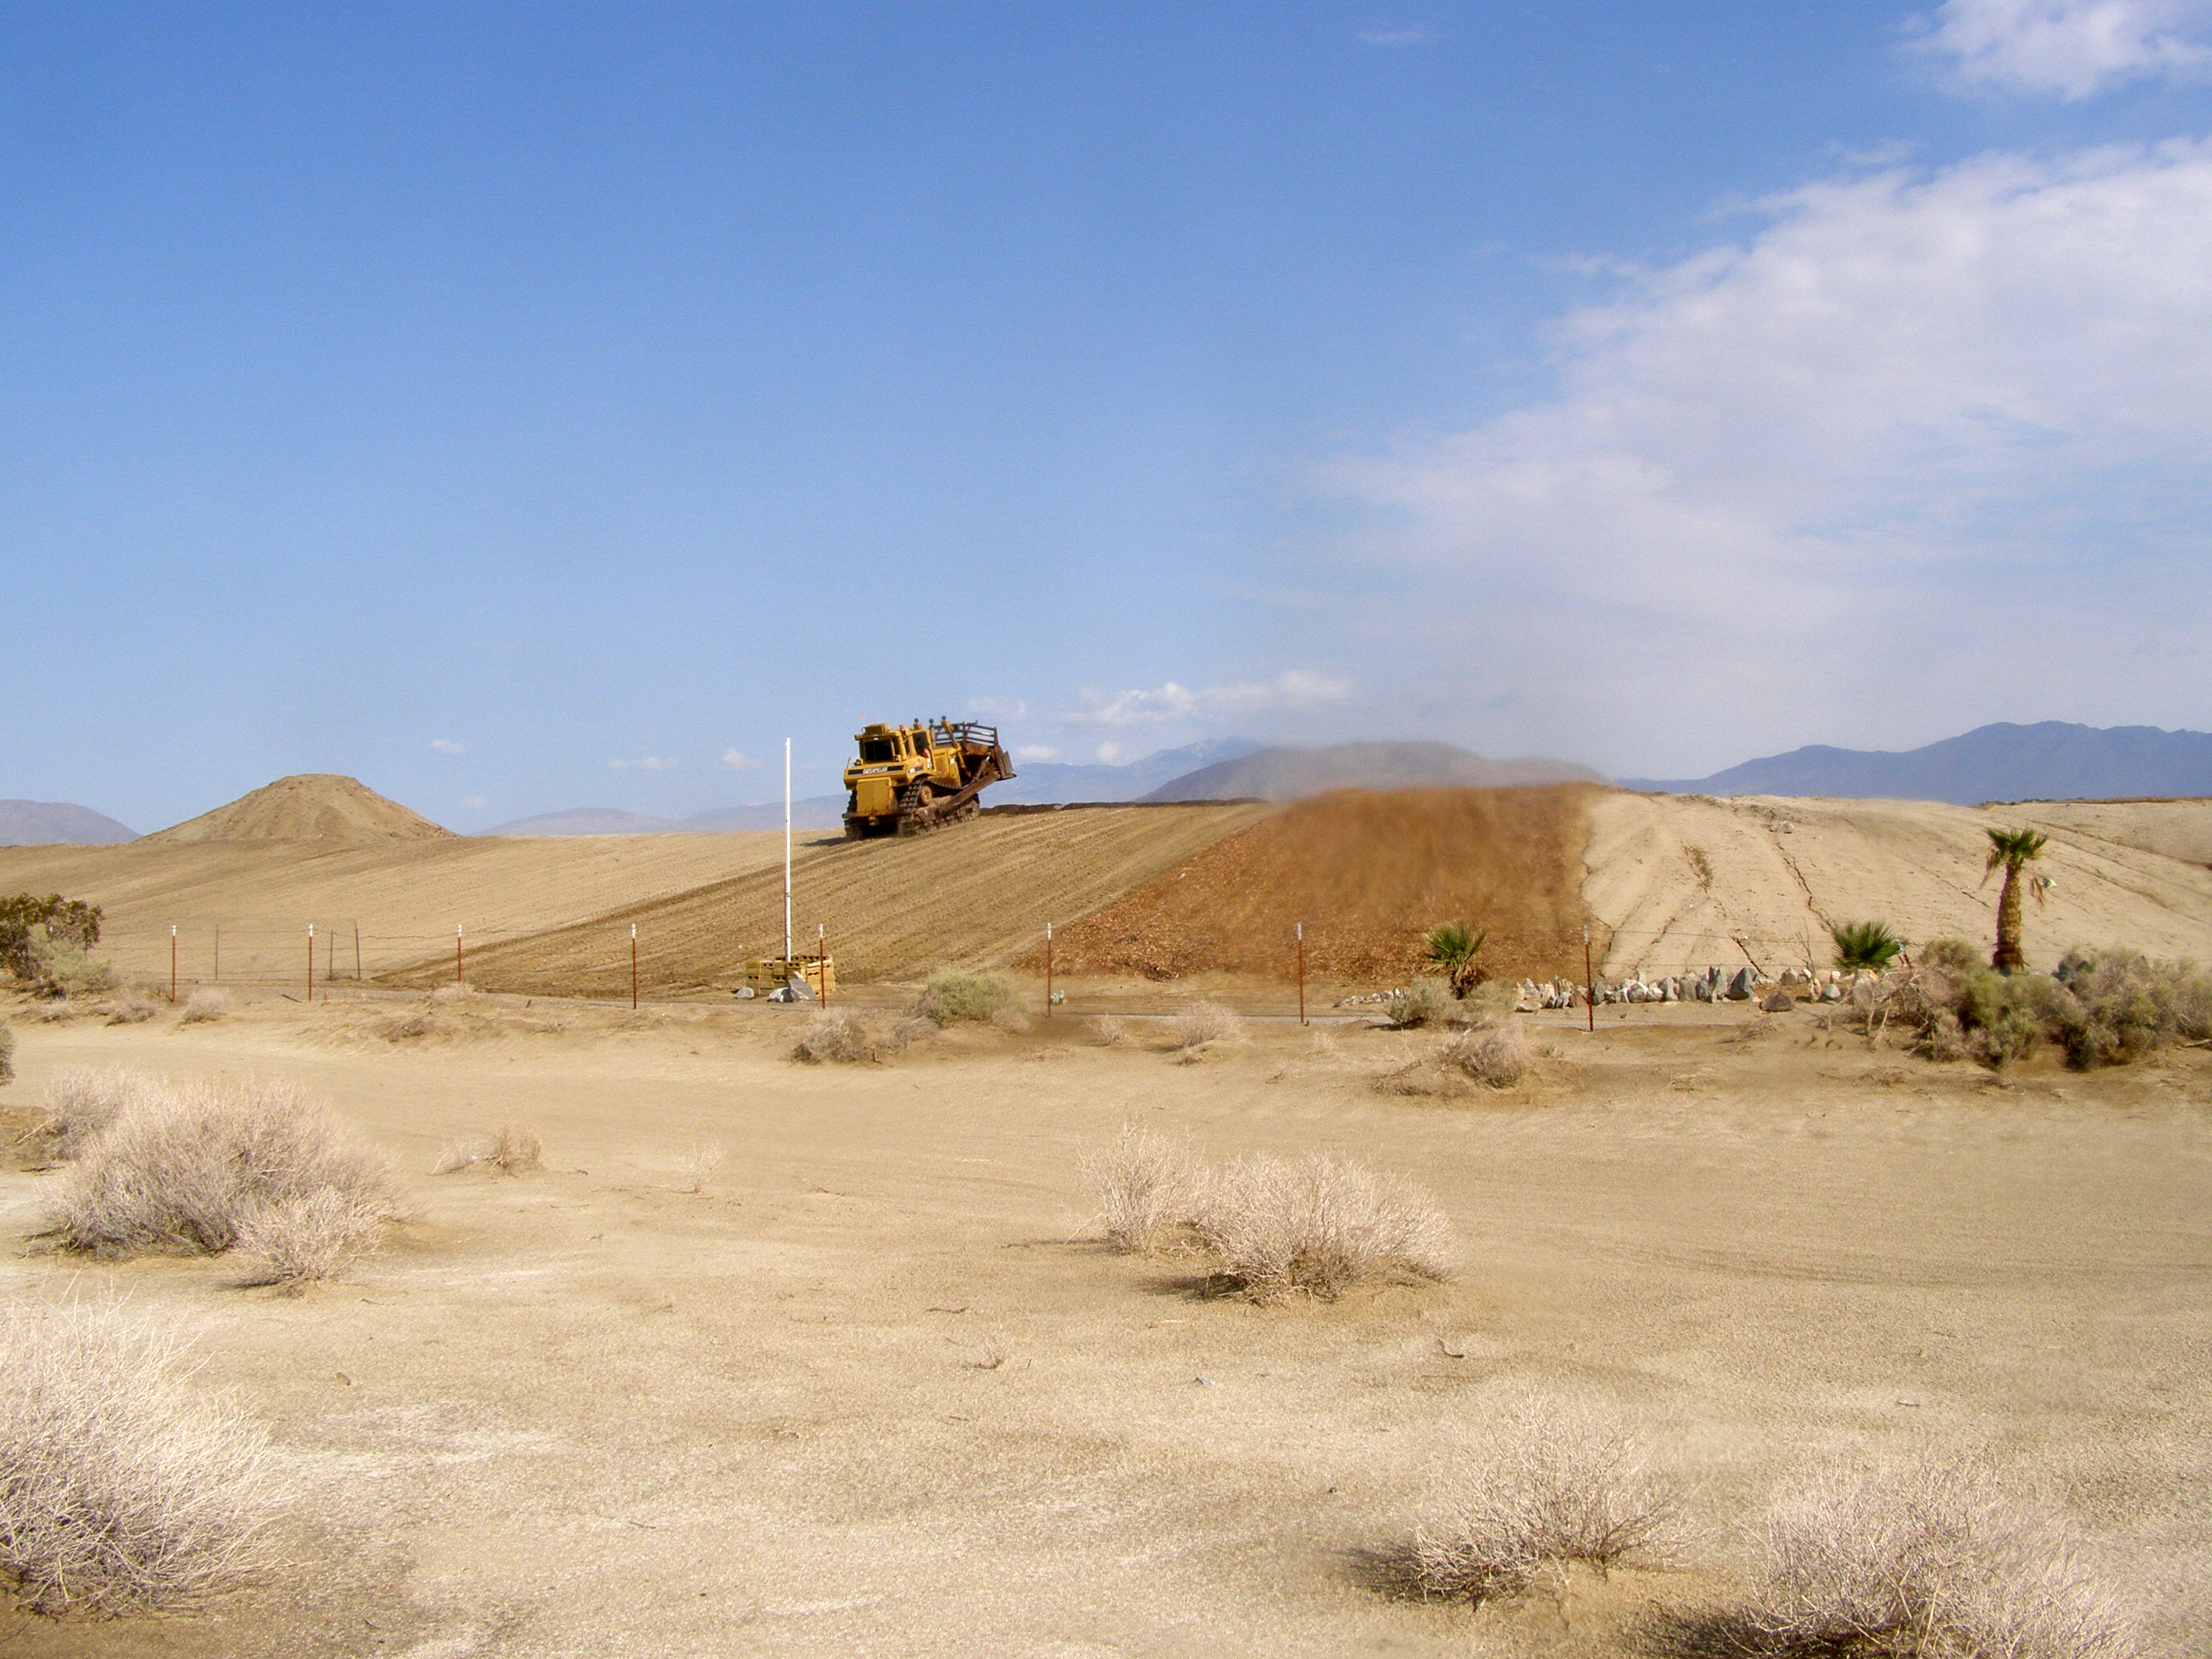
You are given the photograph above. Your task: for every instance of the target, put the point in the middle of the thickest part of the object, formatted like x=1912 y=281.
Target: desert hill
x=2048 y=761
x=1296 y=773
x=813 y=812
x=315 y=806
x=58 y=823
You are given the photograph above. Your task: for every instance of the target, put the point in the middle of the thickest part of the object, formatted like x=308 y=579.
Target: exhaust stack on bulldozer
x=912 y=778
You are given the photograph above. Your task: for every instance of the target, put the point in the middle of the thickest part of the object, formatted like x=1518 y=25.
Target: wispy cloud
x=448 y=746
x=1173 y=703
x=2073 y=49
x=649 y=763
x=1928 y=448
x=1396 y=34
x=738 y=761
x=1036 y=751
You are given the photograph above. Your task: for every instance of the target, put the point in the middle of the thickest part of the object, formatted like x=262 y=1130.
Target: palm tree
x=1455 y=947
x=1865 y=944
x=2010 y=850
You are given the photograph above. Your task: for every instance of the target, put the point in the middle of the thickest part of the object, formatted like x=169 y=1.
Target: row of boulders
x=1745 y=984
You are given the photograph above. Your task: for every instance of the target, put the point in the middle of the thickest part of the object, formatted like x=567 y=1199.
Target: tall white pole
x=786 y=849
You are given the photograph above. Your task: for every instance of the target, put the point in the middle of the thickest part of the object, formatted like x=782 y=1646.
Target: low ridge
x=322 y=806
x=1296 y=774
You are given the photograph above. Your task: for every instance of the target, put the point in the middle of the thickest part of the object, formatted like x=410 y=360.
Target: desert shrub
x=65 y=971
x=1319 y=1227
x=1009 y=1018
x=2131 y=1005
x=839 y=1036
x=1145 y=1187
x=55 y=1010
x=448 y=996
x=316 y=1235
x=205 y=1005
x=1426 y=1002
x=1499 y=1057
x=699 y=1163
x=32 y=928
x=82 y=1102
x=1932 y=1562
x=135 y=1008
x=950 y=997
x=1196 y=1023
x=1953 y=957
x=909 y=1029
x=512 y=1149
x=181 y=1169
x=1552 y=1485
x=1112 y=1032
x=1865 y=945
x=121 y=1485
x=1457 y=949
x=7 y=1056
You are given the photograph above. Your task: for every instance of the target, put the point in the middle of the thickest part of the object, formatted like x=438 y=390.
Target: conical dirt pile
x=312 y=806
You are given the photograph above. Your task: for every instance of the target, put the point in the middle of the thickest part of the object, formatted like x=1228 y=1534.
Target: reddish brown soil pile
x=1367 y=871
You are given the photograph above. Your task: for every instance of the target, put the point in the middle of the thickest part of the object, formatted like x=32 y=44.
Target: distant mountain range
x=813 y=812
x=2050 y=760
x=1294 y=773
x=1047 y=782
x=50 y=823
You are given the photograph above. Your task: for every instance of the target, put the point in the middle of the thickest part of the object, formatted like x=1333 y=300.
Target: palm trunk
x=2008 y=958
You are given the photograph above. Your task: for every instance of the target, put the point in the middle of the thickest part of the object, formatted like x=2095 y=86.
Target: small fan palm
x=1455 y=947
x=1869 y=944
x=2011 y=851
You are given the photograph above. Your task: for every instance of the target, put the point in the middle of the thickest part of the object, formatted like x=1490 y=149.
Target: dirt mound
x=1367 y=873
x=311 y=807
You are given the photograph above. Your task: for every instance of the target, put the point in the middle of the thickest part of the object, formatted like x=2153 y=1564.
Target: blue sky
x=526 y=407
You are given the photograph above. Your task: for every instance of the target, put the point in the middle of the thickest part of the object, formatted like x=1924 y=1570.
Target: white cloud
x=738 y=761
x=447 y=746
x=1928 y=450
x=2072 y=48
x=1036 y=751
x=479 y=800
x=1172 y=703
x=649 y=763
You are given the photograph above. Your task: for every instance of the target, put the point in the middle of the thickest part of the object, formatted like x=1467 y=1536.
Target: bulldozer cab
x=917 y=777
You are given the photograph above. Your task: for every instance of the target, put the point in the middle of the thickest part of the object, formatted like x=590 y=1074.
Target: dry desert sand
x=869 y=1383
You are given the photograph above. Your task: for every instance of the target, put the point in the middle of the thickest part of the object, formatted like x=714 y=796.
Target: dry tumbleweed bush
x=205 y=1004
x=1145 y=1186
x=316 y=1235
x=184 y=1168
x=841 y=1036
x=1937 y=1561
x=1319 y=1226
x=82 y=1102
x=121 y=1484
x=1198 y=1023
x=1112 y=1032
x=1555 y=1484
x=514 y=1149
x=1498 y=1058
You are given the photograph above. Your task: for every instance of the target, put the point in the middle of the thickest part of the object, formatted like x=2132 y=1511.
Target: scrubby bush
x=1112 y=1032
x=82 y=1102
x=134 y=1008
x=1932 y=1562
x=1319 y=1227
x=205 y=1004
x=121 y=1484
x=1871 y=946
x=841 y=1036
x=7 y=1055
x=1426 y=1002
x=1499 y=1057
x=33 y=928
x=512 y=1149
x=63 y=971
x=1196 y=1023
x=316 y=1235
x=454 y=995
x=1145 y=1187
x=1552 y=1483
x=950 y=997
x=1009 y=1018
x=182 y=1168
x=2131 y=1006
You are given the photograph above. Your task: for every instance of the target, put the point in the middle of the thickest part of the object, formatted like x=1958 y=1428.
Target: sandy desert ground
x=874 y=1388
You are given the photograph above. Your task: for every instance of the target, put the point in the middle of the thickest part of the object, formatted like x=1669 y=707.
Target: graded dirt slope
x=1689 y=881
x=250 y=903
x=1366 y=871
x=973 y=895
x=320 y=806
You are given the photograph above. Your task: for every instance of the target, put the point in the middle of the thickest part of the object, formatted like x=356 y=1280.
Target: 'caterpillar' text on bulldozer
x=912 y=778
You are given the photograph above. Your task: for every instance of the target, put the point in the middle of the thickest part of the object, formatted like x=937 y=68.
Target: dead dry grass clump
x=133 y=1008
x=1112 y=1032
x=121 y=1485
x=1552 y=1484
x=1145 y=1187
x=1318 y=1226
x=182 y=1168
x=1426 y=1002
x=206 y=1004
x=839 y=1037
x=1498 y=1058
x=1197 y=1023
x=454 y=996
x=950 y=997
x=512 y=1149
x=314 y=1236
x=7 y=1055
x=82 y=1102
x=1937 y=1561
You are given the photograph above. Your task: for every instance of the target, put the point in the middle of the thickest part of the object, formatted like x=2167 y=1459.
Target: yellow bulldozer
x=912 y=778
